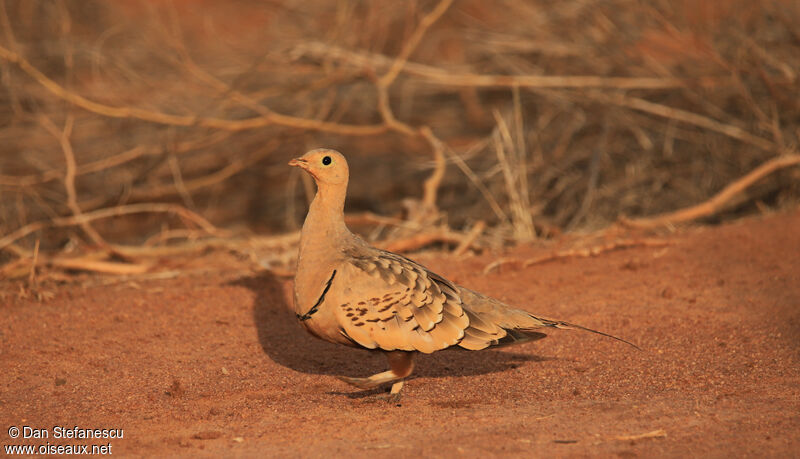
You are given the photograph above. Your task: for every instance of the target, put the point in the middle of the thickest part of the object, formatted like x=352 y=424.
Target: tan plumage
x=350 y=293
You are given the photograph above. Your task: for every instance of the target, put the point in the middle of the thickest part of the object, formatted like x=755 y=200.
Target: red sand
x=219 y=364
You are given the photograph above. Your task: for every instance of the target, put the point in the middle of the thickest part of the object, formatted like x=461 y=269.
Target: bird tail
x=569 y=326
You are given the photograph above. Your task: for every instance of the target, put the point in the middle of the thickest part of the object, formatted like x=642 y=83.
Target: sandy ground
x=216 y=364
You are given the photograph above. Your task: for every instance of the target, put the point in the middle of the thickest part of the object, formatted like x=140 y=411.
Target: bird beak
x=299 y=162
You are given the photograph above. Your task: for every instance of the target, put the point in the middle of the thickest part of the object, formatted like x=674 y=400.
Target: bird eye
x=326 y=161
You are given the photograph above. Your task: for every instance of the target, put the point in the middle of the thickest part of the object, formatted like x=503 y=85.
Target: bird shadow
x=286 y=343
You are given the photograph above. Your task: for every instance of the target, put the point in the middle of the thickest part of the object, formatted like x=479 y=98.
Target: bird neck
x=324 y=223
x=321 y=240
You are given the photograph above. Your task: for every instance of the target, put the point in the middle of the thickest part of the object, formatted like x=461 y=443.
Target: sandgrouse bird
x=348 y=292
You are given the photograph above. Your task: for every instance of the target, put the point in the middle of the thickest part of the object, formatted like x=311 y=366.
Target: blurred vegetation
x=549 y=116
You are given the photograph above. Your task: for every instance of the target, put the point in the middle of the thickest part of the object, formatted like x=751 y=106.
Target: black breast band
x=315 y=308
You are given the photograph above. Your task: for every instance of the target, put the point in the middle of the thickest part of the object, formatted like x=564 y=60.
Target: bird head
x=326 y=166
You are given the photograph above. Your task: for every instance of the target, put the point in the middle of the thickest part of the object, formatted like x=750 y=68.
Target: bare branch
x=185 y=120
x=718 y=201
x=427 y=21
x=686 y=117
x=76 y=220
x=69 y=178
x=444 y=77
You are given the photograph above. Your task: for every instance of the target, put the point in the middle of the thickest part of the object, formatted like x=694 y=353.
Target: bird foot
x=389 y=397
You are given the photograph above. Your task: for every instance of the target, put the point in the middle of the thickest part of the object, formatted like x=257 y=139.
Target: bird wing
x=394 y=303
x=401 y=305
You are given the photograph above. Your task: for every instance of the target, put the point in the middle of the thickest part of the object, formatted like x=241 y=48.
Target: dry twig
x=576 y=253
x=425 y=23
x=97 y=266
x=660 y=433
x=421 y=240
x=719 y=200
x=438 y=76
x=75 y=220
x=69 y=178
x=686 y=117
x=469 y=239
x=152 y=116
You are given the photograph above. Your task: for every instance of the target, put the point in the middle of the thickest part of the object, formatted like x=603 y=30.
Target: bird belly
x=324 y=325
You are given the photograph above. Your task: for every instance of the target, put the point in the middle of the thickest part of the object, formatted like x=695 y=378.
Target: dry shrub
x=552 y=115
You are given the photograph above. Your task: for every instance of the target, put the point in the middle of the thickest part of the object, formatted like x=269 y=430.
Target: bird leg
x=401 y=364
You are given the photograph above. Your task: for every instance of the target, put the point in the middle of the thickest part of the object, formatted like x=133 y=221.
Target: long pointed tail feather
x=569 y=326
